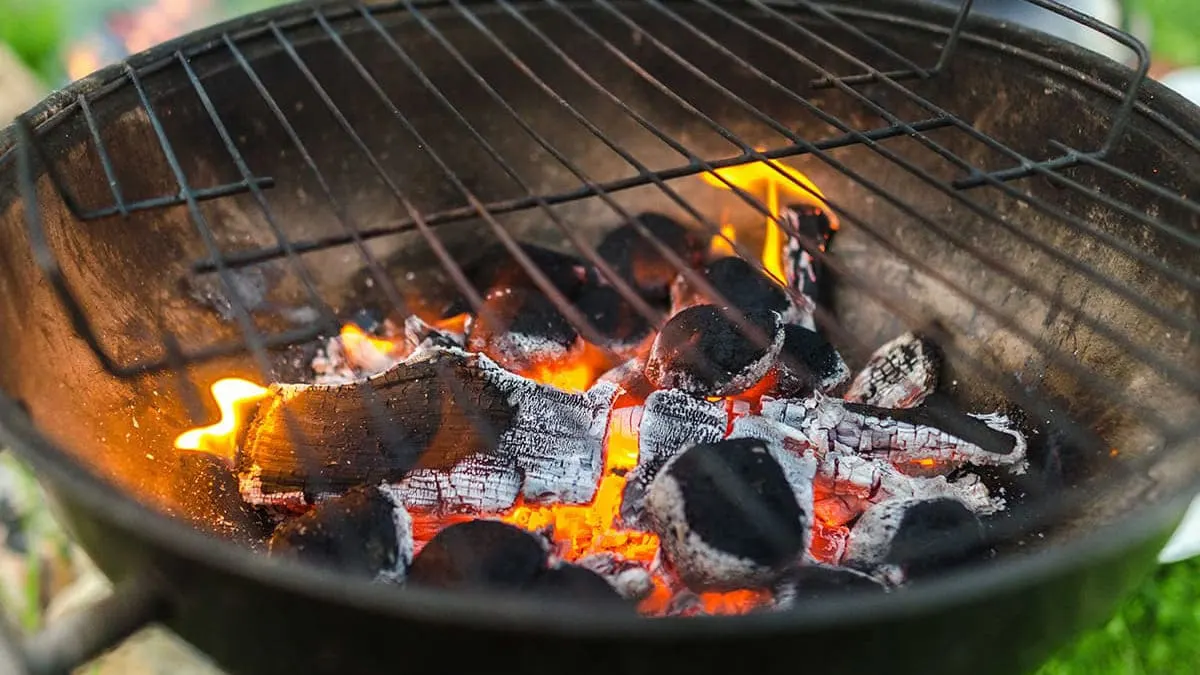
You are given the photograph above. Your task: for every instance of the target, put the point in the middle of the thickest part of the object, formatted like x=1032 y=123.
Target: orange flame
x=591 y=528
x=766 y=180
x=576 y=372
x=233 y=397
x=364 y=349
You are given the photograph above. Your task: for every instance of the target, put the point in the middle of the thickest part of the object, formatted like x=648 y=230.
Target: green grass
x=1156 y=632
x=1176 y=36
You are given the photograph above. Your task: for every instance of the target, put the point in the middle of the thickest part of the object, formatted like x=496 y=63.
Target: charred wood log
x=448 y=429
x=363 y=532
x=670 y=422
x=704 y=352
x=917 y=441
x=726 y=515
x=804 y=272
x=741 y=285
x=917 y=536
x=900 y=374
x=640 y=263
x=808 y=362
x=480 y=554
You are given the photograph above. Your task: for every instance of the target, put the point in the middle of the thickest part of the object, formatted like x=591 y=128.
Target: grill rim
x=1138 y=528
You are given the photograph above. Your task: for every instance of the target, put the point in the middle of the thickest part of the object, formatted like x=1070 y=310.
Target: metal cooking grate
x=885 y=67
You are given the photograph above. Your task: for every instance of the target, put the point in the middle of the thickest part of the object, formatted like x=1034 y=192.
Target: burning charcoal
x=419 y=334
x=446 y=428
x=900 y=374
x=705 y=353
x=631 y=580
x=799 y=466
x=631 y=378
x=624 y=329
x=363 y=532
x=854 y=483
x=521 y=329
x=640 y=262
x=572 y=582
x=670 y=421
x=726 y=515
x=804 y=273
x=498 y=268
x=919 y=536
x=480 y=554
x=812 y=582
x=808 y=362
x=741 y=285
x=917 y=441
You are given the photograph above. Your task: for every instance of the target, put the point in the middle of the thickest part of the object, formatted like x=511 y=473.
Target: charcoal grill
x=212 y=206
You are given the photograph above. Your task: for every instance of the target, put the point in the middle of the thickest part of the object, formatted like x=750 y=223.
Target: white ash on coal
x=855 y=483
x=915 y=440
x=669 y=421
x=808 y=362
x=630 y=251
x=900 y=374
x=814 y=582
x=363 y=532
x=480 y=554
x=630 y=579
x=705 y=352
x=804 y=272
x=726 y=515
x=916 y=536
x=738 y=283
x=521 y=329
x=798 y=465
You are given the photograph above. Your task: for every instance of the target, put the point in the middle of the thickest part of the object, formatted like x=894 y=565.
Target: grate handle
x=72 y=641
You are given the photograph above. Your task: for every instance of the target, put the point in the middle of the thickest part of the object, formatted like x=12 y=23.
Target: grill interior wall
x=130 y=273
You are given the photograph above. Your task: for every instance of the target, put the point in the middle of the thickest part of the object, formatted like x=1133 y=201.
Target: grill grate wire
x=932 y=118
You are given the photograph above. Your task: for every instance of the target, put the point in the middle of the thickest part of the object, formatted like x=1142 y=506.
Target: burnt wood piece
x=671 y=421
x=624 y=330
x=419 y=334
x=900 y=374
x=448 y=429
x=522 y=328
x=726 y=516
x=363 y=532
x=808 y=362
x=480 y=554
x=703 y=352
x=631 y=378
x=631 y=580
x=917 y=441
x=640 y=263
x=573 y=582
x=805 y=273
x=497 y=268
x=918 y=536
x=740 y=284
x=857 y=482
x=814 y=582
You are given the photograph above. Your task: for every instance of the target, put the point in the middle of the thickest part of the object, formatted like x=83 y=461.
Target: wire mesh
x=905 y=112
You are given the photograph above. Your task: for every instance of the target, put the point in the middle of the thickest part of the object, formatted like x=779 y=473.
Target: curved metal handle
x=76 y=639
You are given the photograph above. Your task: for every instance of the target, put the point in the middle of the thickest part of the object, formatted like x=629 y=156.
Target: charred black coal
x=362 y=532
x=639 y=261
x=498 y=268
x=572 y=582
x=704 y=352
x=808 y=361
x=480 y=554
x=918 y=536
x=614 y=318
x=726 y=515
x=521 y=327
x=810 y=582
x=741 y=285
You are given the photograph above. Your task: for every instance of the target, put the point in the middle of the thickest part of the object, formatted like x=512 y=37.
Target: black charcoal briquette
x=480 y=554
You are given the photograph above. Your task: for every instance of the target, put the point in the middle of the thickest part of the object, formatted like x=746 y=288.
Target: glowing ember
x=362 y=348
x=767 y=180
x=233 y=397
